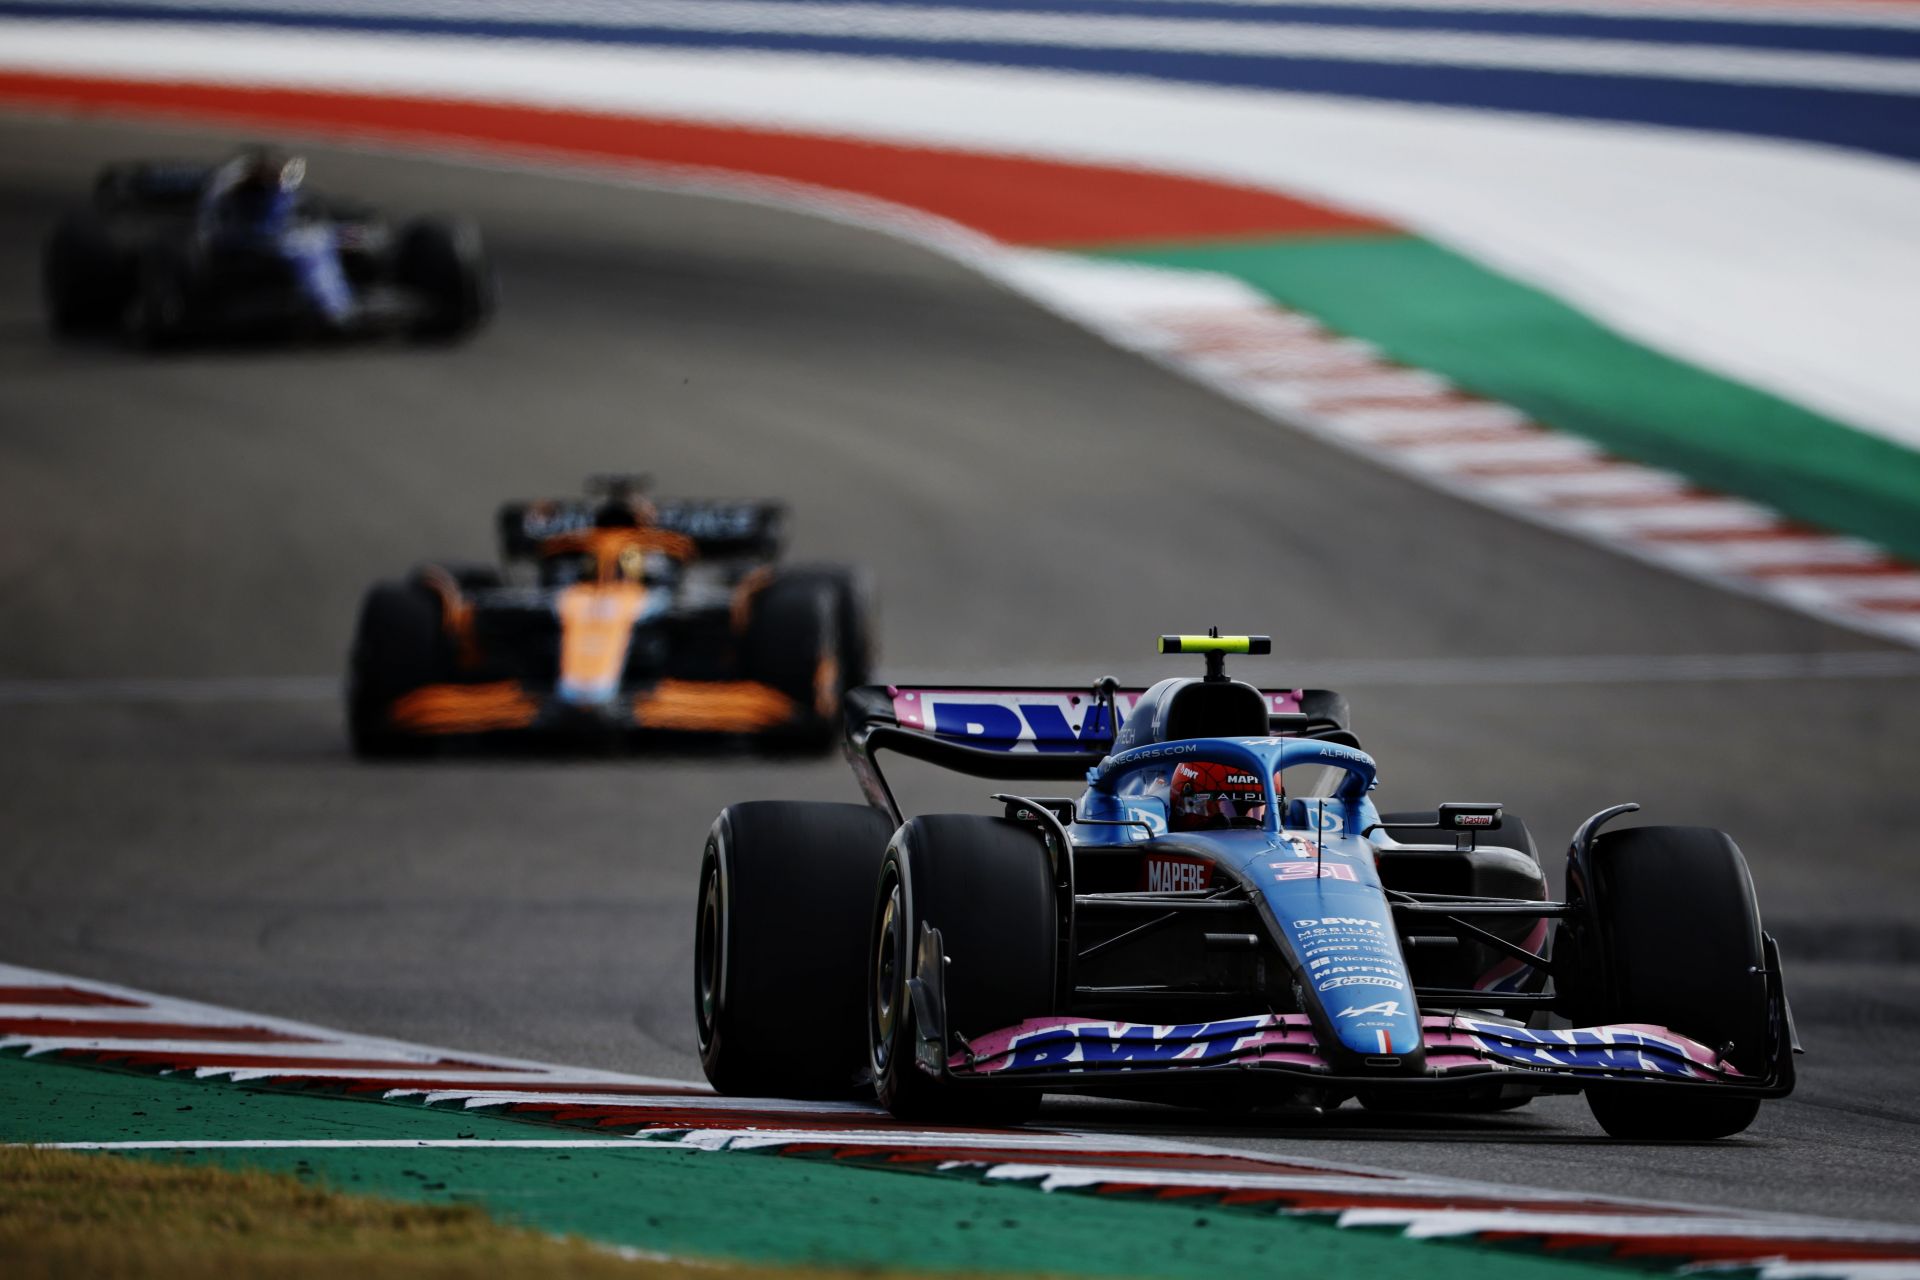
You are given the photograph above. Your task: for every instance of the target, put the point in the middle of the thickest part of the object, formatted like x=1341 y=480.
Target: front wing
x=1086 y=1053
x=670 y=706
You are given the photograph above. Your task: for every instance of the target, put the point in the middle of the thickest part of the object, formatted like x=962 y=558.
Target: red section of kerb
x=83 y=1029
x=480 y=1089
x=64 y=996
x=218 y=1060
x=1018 y=199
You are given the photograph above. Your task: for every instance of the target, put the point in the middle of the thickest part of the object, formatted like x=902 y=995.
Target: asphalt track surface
x=1032 y=502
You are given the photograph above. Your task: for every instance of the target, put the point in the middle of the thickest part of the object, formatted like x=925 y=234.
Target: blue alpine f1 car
x=1223 y=917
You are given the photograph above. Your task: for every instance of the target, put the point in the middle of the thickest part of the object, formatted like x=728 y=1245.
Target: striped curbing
x=1289 y=367
x=47 y=1016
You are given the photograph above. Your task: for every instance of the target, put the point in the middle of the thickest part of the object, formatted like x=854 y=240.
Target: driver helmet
x=266 y=171
x=1206 y=795
x=624 y=511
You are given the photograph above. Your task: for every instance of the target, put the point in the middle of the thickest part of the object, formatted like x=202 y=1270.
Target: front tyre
x=986 y=885
x=1680 y=946
x=851 y=589
x=792 y=645
x=780 y=947
x=399 y=645
x=443 y=263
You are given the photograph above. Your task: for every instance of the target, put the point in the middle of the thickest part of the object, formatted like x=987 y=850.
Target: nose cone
x=1349 y=956
x=596 y=630
x=1378 y=1029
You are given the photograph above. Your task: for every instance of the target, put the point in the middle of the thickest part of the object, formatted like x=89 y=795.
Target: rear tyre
x=780 y=947
x=444 y=264
x=792 y=644
x=986 y=884
x=85 y=280
x=399 y=645
x=1679 y=946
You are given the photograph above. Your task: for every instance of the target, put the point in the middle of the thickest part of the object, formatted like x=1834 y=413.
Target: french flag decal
x=1386 y=1041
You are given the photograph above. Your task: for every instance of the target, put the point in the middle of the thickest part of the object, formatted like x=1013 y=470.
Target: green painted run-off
x=1427 y=307
x=759 y=1207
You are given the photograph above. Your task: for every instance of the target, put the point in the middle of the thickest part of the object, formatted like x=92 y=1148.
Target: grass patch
x=65 y=1213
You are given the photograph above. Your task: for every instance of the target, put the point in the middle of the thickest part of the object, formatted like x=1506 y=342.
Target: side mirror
x=1465 y=816
x=1020 y=809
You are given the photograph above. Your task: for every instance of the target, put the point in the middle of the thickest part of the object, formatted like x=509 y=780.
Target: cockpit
x=606 y=557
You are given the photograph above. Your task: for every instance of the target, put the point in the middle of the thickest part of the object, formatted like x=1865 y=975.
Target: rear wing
x=168 y=184
x=1028 y=732
x=719 y=529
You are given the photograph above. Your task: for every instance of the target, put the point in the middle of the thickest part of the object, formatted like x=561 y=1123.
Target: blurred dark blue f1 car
x=169 y=253
x=1221 y=918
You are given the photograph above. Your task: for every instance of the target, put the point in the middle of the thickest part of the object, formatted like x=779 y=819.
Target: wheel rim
x=888 y=961
x=708 y=938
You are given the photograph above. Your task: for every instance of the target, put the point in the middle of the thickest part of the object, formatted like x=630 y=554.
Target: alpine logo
x=1385 y=1009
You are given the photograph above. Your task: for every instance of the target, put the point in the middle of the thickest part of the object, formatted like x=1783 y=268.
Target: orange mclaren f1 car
x=611 y=617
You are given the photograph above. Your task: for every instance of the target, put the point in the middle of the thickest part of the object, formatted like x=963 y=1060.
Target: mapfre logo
x=1174 y=875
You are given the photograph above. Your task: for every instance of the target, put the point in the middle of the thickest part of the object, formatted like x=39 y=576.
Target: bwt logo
x=1044 y=724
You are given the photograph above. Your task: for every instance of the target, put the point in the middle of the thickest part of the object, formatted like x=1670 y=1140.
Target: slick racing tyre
x=398 y=646
x=792 y=644
x=87 y=282
x=443 y=263
x=468 y=577
x=1679 y=945
x=780 y=947
x=853 y=616
x=987 y=885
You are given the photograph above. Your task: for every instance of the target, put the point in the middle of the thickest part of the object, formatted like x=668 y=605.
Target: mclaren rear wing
x=1038 y=732
x=719 y=529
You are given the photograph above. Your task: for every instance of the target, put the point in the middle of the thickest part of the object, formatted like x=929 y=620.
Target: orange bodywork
x=596 y=628
x=597 y=617
x=739 y=706
x=456 y=614
x=464 y=708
